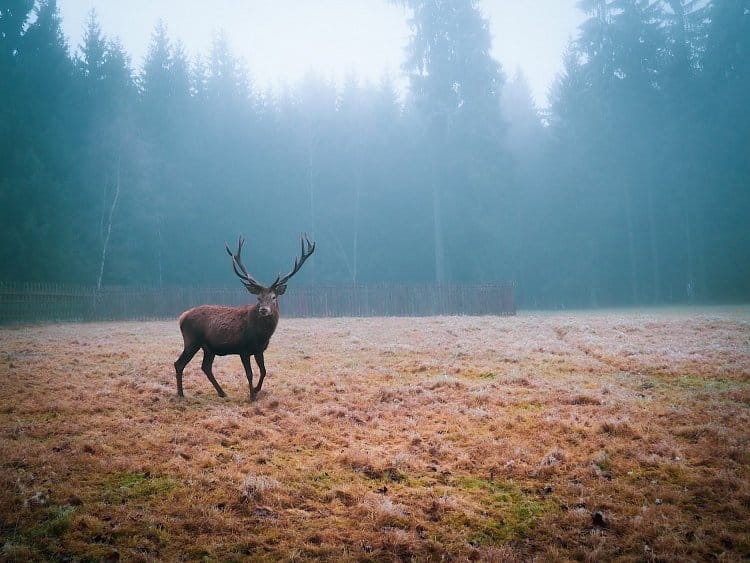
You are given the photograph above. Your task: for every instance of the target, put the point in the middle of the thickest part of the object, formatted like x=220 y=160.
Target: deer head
x=267 y=295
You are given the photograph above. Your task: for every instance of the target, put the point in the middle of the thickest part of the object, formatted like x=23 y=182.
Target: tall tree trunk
x=690 y=283
x=632 y=264
x=355 y=241
x=694 y=238
x=161 y=210
x=702 y=288
x=437 y=224
x=655 y=269
x=108 y=232
x=311 y=189
x=159 y=255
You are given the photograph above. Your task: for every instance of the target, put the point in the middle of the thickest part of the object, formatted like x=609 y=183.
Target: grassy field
x=591 y=436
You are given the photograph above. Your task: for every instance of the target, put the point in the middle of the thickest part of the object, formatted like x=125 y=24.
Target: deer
x=244 y=330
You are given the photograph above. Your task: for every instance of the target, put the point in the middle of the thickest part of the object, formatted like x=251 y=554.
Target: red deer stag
x=244 y=331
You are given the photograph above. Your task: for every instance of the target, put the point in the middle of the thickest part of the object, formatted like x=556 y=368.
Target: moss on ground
x=123 y=487
x=507 y=511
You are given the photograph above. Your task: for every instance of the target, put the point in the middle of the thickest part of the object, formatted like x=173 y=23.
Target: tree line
x=632 y=187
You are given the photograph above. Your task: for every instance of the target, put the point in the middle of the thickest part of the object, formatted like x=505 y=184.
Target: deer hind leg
x=208 y=360
x=249 y=374
x=262 y=366
x=182 y=361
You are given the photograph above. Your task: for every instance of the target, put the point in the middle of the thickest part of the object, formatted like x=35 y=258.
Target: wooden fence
x=28 y=302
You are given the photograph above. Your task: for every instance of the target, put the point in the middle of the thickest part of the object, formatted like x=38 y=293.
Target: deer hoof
x=222 y=394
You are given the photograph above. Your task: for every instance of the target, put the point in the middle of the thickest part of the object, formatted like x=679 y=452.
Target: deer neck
x=263 y=324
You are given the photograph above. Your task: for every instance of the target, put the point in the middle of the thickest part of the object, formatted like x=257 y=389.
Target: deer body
x=228 y=330
x=244 y=331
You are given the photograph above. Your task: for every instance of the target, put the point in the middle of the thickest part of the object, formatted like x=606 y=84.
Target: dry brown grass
x=585 y=436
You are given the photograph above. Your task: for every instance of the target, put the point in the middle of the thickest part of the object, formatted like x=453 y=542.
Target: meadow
x=588 y=436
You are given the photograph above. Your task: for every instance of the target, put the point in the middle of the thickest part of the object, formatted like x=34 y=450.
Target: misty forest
x=632 y=187
x=409 y=414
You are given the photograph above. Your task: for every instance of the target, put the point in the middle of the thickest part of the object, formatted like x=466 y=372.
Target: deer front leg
x=179 y=365
x=208 y=360
x=262 y=366
x=249 y=374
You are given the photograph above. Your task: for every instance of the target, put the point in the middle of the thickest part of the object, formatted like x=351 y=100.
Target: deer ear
x=254 y=289
x=280 y=289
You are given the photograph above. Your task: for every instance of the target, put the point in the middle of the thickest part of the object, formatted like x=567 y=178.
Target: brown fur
x=222 y=331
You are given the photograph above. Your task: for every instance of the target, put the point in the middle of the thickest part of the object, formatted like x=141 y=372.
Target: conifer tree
x=455 y=89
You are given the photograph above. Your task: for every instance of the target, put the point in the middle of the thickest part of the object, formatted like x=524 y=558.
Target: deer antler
x=307 y=249
x=239 y=268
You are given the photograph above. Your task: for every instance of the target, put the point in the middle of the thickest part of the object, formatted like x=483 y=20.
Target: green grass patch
x=57 y=524
x=39 y=416
x=703 y=382
x=506 y=512
x=124 y=487
x=603 y=461
x=686 y=382
x=322 y=477
x=12 y=551
x=40 y=541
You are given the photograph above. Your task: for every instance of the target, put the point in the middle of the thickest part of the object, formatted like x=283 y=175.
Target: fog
x=410 y=146
x=282 y=40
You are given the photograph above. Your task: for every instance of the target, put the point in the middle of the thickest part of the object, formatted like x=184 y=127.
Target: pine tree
x=13 y=17
x=684 y=172
x=37 y=74
x=726 y=82
x=455 y=87
x=155 y=80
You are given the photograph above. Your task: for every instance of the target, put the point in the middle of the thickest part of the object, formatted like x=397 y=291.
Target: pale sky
x=281 y=40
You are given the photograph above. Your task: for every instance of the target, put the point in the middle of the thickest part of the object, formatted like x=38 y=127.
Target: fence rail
x=38 y=302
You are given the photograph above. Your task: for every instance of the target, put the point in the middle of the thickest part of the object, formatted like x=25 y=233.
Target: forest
x=631 y=188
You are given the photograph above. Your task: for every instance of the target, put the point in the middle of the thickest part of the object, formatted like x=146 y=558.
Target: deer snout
x=264 y=311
